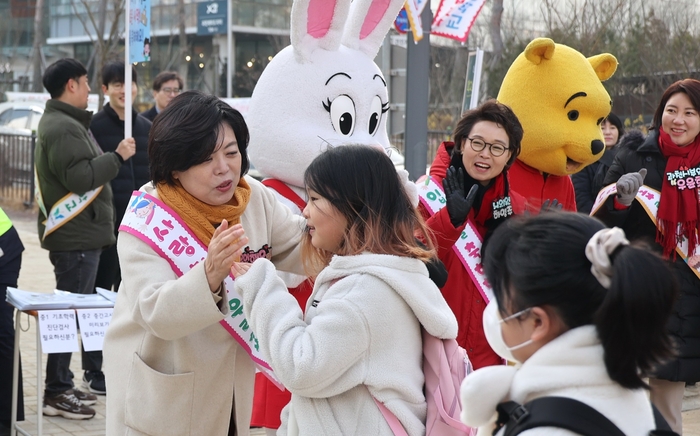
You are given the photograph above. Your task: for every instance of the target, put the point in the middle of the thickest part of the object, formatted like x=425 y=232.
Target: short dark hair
x=166 y=76
x=498 y=113
x=689 y=87
x=541 y=261
x=114 y=72
x=186 y=133
x=59 y=73
x=368 y=193
x=615 y=121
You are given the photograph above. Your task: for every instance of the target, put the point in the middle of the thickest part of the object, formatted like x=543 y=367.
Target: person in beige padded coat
x=171 y=368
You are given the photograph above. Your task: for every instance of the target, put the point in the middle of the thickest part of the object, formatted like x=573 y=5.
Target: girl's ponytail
x=631 y=321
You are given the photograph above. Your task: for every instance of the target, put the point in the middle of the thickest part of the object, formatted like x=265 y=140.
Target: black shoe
x=94 y=381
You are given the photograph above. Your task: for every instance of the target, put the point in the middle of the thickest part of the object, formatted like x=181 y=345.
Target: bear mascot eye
x=342 y=111
x=573 y=115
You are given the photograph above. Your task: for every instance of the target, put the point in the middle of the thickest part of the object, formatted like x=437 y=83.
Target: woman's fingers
x=238 y=269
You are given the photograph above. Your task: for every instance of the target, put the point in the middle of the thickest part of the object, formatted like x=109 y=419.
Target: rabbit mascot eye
x=323 y=90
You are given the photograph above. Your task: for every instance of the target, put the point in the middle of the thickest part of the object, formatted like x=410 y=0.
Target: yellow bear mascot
x=559 y=99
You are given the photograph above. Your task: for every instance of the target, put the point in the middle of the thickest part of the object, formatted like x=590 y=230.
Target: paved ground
x=37 y=276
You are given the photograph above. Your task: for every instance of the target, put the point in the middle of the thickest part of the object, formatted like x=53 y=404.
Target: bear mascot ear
x=539 y=49
x=604 y=65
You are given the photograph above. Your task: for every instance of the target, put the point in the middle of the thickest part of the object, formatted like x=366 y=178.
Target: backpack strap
x=391 y=419
x=560 y=412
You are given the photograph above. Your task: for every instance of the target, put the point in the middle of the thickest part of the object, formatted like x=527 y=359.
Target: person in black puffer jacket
x=107 y=126
x=672 y=146
x=589 y=180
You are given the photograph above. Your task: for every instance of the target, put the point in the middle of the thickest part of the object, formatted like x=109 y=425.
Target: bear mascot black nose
x=597 y=146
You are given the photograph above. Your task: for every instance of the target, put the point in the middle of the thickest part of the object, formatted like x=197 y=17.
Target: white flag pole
x=127 y=73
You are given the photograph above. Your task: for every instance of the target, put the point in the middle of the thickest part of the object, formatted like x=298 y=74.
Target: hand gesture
x=224 y=249
x=240 y=268
x=458 y=205
x=551 y=206
x=628 y=185
x=126 y=148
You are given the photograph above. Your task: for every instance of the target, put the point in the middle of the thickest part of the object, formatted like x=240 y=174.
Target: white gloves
x=628 y=185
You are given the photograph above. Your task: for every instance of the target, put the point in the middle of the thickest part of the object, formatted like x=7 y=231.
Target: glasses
x=171 y=90
x=515 y=315
x=495 y=149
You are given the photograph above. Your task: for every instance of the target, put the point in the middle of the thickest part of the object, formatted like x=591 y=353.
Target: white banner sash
x=65 y=209
x=649 y=198
x=156 y=224
x=468 y=246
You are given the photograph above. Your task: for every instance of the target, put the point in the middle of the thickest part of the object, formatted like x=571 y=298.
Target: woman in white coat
x=583 y=314
x=172 y=367
x=359 y=340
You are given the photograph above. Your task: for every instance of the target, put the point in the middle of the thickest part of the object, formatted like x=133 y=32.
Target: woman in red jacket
x=469 y=178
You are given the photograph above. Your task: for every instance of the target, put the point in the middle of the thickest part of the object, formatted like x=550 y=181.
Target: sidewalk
x=37 y=276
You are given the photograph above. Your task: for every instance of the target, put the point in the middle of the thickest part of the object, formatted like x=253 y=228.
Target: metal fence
x=17 y=168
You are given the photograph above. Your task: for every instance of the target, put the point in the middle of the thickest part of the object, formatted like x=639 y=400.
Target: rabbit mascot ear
x=324 y=89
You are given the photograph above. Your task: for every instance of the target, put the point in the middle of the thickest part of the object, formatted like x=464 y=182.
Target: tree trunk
x=495 y=30
x=183 y=64
x=100 y=48
x=37 y=85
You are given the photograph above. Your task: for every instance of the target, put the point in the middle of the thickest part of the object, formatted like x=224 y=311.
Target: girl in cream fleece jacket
x=360 y=338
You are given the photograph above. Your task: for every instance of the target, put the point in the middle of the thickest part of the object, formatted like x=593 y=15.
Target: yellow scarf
x=204 y=218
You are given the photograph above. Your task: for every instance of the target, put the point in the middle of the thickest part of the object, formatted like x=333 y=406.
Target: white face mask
x=494 y=335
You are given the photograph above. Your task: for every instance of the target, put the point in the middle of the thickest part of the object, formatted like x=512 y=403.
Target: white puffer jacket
x=569 y=366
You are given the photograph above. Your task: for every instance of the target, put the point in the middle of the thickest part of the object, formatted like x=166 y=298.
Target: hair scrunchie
x=598 y=250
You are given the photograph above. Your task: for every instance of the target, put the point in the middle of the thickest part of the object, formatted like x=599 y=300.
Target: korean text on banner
x=139 y=30
x=454 y=18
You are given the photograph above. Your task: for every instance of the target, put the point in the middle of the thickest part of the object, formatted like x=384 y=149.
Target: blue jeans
x=75 y=271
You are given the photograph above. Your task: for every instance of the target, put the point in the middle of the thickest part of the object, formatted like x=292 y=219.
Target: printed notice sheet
x=58 y=331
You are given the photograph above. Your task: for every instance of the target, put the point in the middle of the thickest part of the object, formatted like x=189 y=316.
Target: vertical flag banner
x=454 y=18
x=139 y=30
x=413 y=9
x=469 y=82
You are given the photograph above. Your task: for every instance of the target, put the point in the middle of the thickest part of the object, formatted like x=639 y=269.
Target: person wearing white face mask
x=581 y=312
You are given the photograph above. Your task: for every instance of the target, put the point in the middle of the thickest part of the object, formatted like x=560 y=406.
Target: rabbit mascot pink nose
x=323 y=90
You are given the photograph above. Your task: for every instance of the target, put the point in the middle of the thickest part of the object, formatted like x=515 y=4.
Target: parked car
x=18 y=119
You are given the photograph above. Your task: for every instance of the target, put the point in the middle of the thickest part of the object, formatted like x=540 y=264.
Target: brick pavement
x=37 y=276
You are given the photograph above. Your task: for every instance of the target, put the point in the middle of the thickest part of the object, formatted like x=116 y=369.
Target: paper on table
x=110 y=295
x=24 y=300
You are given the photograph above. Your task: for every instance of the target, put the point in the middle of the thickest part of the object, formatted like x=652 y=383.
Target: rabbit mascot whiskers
x=322 y=91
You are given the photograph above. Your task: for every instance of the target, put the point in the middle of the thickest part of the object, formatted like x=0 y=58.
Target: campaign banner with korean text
x=139 y=16
x=454 y=18
x=414 y=8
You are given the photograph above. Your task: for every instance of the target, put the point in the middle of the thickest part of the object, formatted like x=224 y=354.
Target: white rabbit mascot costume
x=323 y=90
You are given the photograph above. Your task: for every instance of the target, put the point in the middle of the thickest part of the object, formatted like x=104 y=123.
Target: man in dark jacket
x=76 y=217
x=107 y=126
x=166 y=86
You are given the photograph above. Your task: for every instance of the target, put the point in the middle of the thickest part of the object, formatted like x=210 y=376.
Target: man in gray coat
x=76 y=216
